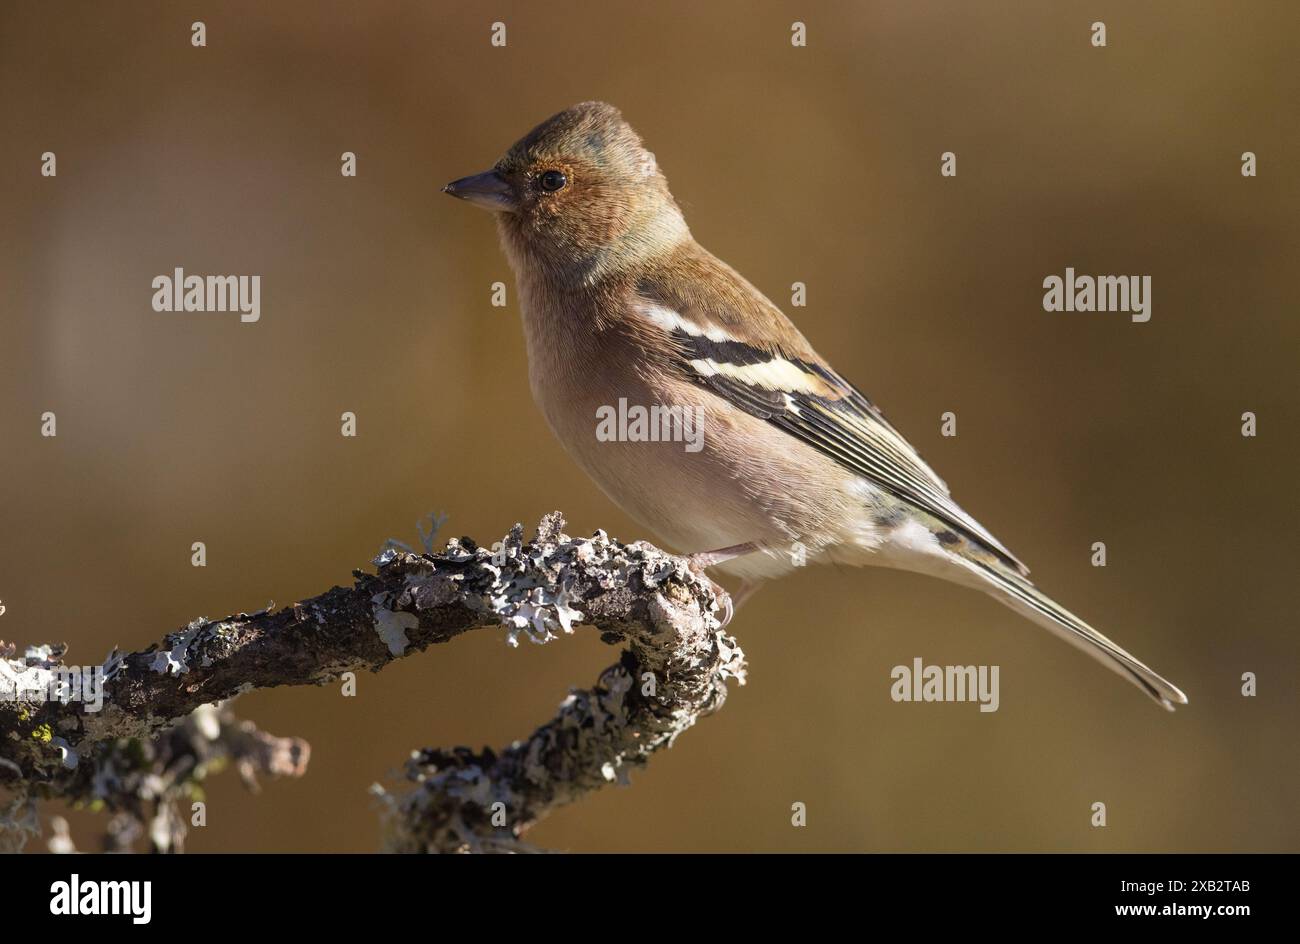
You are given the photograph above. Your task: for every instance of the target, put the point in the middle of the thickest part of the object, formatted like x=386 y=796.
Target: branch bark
x=673 y=671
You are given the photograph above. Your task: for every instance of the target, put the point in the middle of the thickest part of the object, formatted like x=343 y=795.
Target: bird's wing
x=728 y=338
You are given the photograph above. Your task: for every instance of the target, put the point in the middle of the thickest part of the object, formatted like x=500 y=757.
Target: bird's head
x=579 y=195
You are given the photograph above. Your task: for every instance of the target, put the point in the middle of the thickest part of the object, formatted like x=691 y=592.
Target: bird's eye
x=552 y=180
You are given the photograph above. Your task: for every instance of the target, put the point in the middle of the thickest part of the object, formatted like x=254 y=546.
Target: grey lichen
x=173 y=660
x=392 y=625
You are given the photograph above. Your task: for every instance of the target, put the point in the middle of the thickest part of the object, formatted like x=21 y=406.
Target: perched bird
x=622 y=306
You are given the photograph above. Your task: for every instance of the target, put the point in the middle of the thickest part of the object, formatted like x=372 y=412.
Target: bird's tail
x=1016 y=592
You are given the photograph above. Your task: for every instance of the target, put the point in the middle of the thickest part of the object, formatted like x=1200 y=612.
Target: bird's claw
x=696 y=563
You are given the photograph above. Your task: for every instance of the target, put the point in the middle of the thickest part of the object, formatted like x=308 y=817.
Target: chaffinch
x=623 y=310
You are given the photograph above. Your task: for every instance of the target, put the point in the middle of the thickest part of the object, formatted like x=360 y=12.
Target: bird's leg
x=698 y=563
x=721 y=555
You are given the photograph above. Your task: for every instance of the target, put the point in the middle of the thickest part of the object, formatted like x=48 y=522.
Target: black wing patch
x=831 y=415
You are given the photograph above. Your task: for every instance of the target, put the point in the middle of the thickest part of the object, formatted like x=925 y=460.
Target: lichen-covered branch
x=673 y=671
x=153 y=790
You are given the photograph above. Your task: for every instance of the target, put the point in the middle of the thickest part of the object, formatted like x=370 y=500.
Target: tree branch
x=673 y=672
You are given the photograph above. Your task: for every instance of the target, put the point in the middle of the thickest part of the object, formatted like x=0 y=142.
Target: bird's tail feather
x=1019 y=594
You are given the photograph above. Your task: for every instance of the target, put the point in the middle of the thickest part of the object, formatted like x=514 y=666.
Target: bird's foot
x=699 y=562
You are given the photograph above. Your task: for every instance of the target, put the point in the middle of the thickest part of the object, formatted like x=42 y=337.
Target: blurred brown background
x=818 y=165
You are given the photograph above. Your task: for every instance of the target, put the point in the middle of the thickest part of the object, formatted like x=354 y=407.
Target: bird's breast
x=697 y=472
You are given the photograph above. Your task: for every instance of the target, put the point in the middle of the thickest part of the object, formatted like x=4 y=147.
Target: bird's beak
x=489 y=190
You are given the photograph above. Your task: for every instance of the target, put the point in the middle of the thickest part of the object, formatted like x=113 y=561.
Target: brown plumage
x=621 y=306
